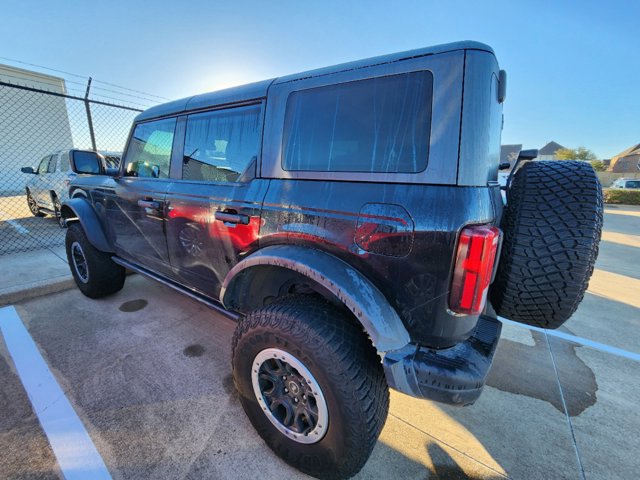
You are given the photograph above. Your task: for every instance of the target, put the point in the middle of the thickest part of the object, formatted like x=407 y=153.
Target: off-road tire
x=552 y=227
x=333 y=347
x=104 y=276
x=33 y=205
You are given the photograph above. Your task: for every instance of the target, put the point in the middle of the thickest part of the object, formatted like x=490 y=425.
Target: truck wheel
x=33 y=205
x=94 y=272
x=552 y=226
x=311 y=384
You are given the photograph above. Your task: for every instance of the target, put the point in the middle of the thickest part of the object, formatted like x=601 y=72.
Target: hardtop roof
x=257 y=90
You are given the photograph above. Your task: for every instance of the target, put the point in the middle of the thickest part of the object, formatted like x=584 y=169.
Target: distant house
x=548 y=152
x=627 y=161
x=509 y=153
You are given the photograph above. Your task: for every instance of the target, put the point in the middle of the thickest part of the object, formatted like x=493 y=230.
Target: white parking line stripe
x=14 y=223
x=77 y=456
x=579 y=340
x=19 y=228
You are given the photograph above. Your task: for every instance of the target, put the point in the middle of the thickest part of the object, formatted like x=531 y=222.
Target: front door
x=136 y=209
x=213 y=212
x=37 y=187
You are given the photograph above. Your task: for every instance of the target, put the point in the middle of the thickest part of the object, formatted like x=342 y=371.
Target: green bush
x=626 y=197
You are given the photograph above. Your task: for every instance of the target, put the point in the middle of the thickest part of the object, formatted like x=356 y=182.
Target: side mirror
x=528 y=154
x=27 y=170
x=87 y=162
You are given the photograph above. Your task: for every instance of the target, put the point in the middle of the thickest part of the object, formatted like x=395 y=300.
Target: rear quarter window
x=377 y=125
x=64 y=162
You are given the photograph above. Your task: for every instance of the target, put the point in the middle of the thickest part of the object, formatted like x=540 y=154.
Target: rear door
x=136 y=207
x=213 y=212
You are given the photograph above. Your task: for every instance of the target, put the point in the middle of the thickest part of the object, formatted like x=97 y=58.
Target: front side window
x=53 y=163
x=219 y=146
x=44 y=165
x=149 y=152
x=111 y=160
x=376 y=125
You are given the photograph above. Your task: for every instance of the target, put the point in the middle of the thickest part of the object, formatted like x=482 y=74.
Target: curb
x=36 y=289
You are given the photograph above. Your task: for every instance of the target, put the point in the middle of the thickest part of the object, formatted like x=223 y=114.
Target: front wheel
x=311 y=384
x=33 y=205
x=96 y=275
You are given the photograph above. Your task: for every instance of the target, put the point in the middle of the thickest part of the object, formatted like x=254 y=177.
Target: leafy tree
x=580 y=153
x=598 y=165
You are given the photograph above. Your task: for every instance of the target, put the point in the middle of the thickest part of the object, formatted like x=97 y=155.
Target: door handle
x=152 y=204
x=232 y=217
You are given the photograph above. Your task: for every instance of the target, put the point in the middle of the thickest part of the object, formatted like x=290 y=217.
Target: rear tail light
x=472 y=273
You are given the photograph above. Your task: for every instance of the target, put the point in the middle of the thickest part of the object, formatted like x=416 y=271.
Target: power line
x=132 y=90
x=82 y=76
x=74 y=91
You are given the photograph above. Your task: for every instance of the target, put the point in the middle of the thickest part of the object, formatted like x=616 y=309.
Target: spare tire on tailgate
x=552 y=226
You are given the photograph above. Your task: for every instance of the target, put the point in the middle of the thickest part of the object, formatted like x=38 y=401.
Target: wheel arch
x=80 y=210
x=272 y=267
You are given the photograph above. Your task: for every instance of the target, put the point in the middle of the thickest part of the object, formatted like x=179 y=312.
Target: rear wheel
x=33 y=205
x=94 y=272
x=552 y=226
x=57 y=210
x=311 y=384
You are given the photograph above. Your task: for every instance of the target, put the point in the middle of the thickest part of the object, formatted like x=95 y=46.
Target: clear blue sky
x=574 y=67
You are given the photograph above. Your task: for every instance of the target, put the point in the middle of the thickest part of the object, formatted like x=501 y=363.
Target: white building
x=31 y=124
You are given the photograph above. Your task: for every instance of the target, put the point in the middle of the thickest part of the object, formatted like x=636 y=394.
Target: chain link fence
x=39 y=123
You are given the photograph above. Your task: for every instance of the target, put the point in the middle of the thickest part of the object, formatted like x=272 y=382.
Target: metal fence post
x=89 y=119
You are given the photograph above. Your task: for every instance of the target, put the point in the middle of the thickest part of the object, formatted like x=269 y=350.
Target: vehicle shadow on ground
x=387 y=462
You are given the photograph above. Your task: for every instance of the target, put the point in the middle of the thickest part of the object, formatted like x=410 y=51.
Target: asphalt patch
x=133 y=305
x=194 y=350
x=527 y=370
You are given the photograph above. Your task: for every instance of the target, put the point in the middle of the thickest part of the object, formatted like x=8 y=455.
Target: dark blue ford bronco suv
x=351 y=219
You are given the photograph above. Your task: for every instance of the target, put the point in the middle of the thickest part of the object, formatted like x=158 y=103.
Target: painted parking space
x=147 y=371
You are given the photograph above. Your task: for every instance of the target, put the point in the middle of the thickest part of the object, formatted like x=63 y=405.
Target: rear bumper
x=454 y=375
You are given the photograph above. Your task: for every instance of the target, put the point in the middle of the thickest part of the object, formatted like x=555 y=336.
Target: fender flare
x=79 y=208
x=353 y=289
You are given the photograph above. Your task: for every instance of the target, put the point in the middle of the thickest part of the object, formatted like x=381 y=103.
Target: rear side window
x=149 y=152
x=219 y=146
x=64 y=162
x=375 y=125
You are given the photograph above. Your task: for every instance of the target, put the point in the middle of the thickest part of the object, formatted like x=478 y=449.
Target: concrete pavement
x=34 y=273
x=148 y=372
